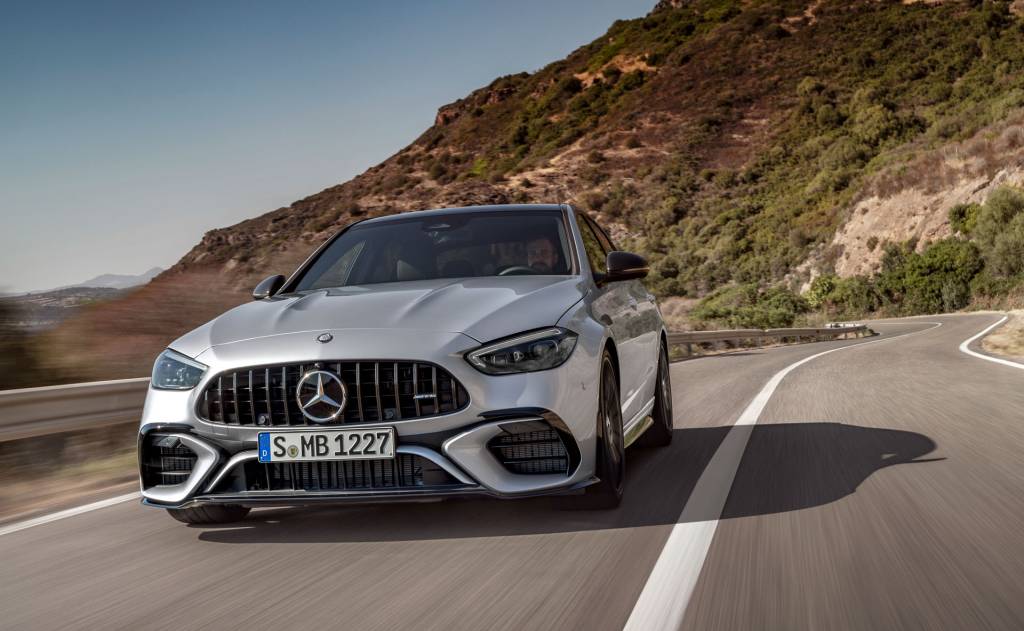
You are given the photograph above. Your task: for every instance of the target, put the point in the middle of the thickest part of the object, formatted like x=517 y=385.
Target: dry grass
x=1008 y=340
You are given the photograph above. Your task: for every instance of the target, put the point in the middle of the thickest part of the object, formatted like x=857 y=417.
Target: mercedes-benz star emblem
x=321 y=395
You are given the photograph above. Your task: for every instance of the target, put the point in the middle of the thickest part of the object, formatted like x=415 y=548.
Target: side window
x=595 y=253
x=602 y=236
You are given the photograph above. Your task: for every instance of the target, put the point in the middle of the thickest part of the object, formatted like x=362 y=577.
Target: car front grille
x=377 y=391
x=535 y=452
x=405 y=471
x=166 y=461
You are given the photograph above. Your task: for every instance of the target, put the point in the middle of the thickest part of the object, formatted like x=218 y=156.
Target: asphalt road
x=882 y=487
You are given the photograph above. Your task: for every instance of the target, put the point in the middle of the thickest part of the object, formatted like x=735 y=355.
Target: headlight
x=174 y=371
x=538 y=350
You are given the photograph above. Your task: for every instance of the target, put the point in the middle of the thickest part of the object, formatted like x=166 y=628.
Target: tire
x=611 y=452
x=659 y=434
x=211 y=514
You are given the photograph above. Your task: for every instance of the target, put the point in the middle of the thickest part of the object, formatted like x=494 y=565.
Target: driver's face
x=541 y=255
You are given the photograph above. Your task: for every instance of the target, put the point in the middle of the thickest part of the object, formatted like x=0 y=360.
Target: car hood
x=482 y=308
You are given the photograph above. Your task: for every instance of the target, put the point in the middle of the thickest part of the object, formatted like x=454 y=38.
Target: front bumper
x=455 y=444
x=419 y=471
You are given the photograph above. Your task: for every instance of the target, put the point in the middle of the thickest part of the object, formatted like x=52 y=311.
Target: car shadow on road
x=786 y=467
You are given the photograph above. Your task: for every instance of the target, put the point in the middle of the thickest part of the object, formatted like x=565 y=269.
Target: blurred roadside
x=52 y=472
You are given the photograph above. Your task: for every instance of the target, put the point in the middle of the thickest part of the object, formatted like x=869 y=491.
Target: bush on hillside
x=933 y=281
x=843 y=298
x=1000 y=231
x=964 y=217
x=748 y=306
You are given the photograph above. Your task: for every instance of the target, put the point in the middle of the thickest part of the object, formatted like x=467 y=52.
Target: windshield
x=443 y=246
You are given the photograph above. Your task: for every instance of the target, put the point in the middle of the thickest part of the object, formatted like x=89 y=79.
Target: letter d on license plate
x=346 y=444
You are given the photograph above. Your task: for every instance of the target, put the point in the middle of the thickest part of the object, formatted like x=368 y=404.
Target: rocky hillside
x=731 y=141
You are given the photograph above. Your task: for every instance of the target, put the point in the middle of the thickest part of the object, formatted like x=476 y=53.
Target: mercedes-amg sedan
x=507 y=351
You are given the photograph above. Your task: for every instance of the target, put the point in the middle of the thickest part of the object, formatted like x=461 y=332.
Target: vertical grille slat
x=234 y=398
x=220 y=399
x=433 y=382
x=284 y=395
x=359 y=391
x=252 y=398
x=415 y=388
x=383 y=391
x=398 y=401
x=270 y=406
x=376 y=385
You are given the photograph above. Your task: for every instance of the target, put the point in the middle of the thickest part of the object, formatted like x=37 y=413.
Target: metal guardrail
x=32 y=412
x=54 y=409
x=758 y=336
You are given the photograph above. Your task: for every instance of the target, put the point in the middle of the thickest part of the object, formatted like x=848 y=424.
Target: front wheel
x=659 y=434
x=210 y=514
x=611 y=450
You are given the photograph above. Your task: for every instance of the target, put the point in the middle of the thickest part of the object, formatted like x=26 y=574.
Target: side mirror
x=268 y=287
x=624 y=266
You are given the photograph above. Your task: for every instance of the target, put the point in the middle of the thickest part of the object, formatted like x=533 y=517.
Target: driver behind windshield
x=542 y=255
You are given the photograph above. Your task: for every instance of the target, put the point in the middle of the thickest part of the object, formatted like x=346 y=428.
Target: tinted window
x=602 y=236
x=595 y=253
x=443 y=246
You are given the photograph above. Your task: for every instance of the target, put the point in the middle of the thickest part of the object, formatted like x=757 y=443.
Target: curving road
x=881 y=487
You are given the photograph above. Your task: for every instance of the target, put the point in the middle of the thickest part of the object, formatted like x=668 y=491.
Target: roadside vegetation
x=982 y=265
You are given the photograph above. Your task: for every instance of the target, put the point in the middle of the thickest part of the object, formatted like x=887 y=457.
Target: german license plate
x=343 y=444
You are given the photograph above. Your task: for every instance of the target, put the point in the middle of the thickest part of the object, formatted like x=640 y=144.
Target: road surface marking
x=668 y=589
x=64 y=514
x=1005 y=362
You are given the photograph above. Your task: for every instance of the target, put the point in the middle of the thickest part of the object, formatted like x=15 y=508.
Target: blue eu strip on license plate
x=264 y=447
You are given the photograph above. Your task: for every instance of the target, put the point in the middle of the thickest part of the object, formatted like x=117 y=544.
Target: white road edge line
x=1006 y=362
x=64 y=514
x=666 y=594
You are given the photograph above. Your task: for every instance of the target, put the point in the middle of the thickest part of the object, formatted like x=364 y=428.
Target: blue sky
x=128 y=129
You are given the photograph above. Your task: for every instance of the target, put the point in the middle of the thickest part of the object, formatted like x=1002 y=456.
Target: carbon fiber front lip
x=303 y=498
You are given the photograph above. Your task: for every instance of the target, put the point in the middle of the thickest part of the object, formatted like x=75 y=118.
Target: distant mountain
x=118 y=281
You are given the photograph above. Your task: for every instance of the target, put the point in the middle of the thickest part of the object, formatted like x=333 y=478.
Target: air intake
x=165 y=460
x=531 y=448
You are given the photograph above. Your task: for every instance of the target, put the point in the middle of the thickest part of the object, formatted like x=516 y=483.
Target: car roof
x=465 y=210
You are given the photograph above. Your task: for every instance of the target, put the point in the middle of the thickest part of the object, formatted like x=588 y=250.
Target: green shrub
x=843 y=297
x=939 y=278
x=964 y=217
x=853 y=297
x=748 y=306
x=1000 y=231
x=821 y=288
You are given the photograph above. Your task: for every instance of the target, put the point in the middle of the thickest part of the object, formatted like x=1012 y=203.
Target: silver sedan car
x=505 y=351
